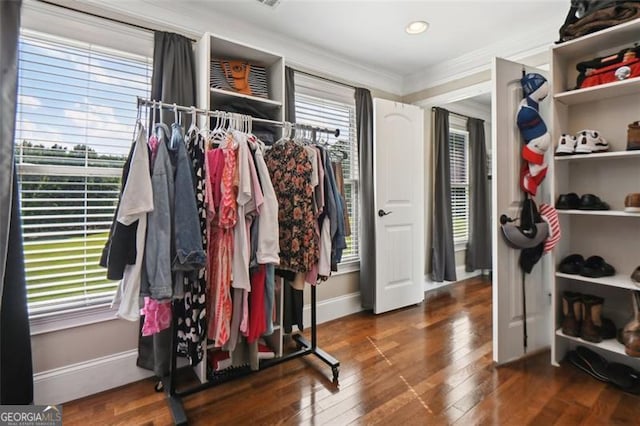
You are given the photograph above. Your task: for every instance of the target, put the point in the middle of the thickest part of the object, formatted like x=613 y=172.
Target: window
x=74 y=127
x=459 y=161
x=325 y=104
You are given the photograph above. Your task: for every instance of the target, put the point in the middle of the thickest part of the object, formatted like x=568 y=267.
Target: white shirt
x=135 y=203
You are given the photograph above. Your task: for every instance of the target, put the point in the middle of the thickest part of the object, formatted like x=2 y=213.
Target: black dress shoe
x=568 y=201
x=592 y=202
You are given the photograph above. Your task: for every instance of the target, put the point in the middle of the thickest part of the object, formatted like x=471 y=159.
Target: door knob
x=383 y=213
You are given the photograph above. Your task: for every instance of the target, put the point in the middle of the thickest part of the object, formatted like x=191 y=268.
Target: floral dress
x=290 y=171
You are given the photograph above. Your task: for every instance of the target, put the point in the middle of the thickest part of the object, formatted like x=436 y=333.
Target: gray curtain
x=364 y=123
x=173 y=77
x=443 y=262
x=479 y=245
x=289 y=95
x=172 y=81
x=16 y=375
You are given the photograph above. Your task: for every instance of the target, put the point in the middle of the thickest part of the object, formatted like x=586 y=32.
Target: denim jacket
x=174 y=242
x=157 y=280
x=338 y=243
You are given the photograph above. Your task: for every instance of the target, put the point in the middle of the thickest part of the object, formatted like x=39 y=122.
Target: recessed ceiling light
x=417 y=27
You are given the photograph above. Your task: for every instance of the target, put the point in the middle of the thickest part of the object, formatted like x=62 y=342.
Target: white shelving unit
x=620 y=213
x=211 y=47
x=609 y=345
x=613 y=234
x=617 y=280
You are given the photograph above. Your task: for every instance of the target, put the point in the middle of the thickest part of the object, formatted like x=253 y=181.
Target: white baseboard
x=333 y=308
x=461 y=274
x=87 y=378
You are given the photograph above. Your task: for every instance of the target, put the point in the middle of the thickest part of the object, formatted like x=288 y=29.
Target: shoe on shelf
x=591 y=327
x=566 y=145
x=596 y=267
x=632 y=202
x=572 y=313
x=631 y=331
x=589 y=141
x=571 y=264
x=569 y=201
x=633 y=136
x=635 y=276
x=592 y=202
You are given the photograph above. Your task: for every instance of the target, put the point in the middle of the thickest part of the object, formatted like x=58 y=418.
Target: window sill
x=460 y=246
x=347 y=267
x=64 y=321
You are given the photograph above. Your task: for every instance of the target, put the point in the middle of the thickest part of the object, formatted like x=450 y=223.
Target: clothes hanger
x=193 y=127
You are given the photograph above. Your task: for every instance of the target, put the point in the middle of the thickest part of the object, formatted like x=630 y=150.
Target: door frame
x=457 y=95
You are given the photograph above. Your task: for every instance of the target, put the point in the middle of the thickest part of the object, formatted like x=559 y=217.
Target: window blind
x=458 y=158
x=74 y=126
x=335 y=108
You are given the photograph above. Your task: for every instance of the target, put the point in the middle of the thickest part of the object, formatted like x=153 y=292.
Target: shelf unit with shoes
x=613 y=234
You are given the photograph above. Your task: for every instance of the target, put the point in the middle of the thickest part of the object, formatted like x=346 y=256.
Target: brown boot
x=571 y=313
x=633 y=136
x=631 y=331
x=590 y=330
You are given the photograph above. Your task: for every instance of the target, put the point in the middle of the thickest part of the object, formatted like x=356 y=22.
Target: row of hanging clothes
x=209 y=217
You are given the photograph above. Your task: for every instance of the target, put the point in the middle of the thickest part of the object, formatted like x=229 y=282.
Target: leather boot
x=590 y=330
x=571 y=313
x=631 y=331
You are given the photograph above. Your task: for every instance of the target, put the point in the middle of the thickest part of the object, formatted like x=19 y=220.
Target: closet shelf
x=620 y=213
x=611 y=345
x=622 y=34
x=599 y=155
x=598 y=93
x=619 y=280
x=221 y=97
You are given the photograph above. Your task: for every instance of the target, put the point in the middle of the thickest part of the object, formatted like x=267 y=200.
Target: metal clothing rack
x=305 y=347
x=218 y=113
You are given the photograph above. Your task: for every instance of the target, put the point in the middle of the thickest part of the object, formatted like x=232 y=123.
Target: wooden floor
x=429 y=364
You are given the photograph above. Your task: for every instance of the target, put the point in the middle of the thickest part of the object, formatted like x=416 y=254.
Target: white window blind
x=74 y=127
x=459 y=162
x=323 y=104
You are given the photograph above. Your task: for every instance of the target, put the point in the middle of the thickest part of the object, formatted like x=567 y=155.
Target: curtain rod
x=324 y=78
x=174 y=107
x=95 y=15
x=455 y=113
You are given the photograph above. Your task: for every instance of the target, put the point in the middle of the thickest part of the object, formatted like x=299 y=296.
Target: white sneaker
x=589 y=141
x=566 y=145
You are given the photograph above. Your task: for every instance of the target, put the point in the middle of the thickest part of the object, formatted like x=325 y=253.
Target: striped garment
x=550 y=215
x=257 y=78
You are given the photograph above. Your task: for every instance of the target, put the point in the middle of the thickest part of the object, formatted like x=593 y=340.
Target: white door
x=508 y=343
x=399 y=186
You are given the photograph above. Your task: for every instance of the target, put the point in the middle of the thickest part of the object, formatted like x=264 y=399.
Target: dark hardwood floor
x=429 y=364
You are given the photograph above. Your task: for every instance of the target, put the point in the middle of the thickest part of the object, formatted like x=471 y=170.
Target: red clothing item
x=257 y=325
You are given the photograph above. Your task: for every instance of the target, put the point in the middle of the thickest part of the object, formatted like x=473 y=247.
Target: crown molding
x=190 y=22
x=480 y=60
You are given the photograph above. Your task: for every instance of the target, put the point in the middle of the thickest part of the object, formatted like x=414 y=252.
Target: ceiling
x=365 y=41
x=373 y=32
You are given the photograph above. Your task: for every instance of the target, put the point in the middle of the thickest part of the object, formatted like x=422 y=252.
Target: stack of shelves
x=212 y=48
x=613 y=234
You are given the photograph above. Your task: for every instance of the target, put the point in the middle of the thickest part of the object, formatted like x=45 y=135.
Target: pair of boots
x=582 y=317
x=630 y=336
